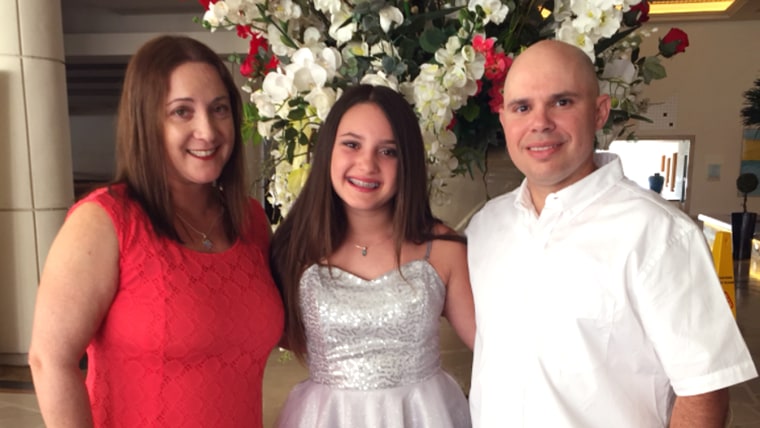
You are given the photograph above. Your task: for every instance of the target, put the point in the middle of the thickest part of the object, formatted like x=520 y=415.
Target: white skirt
x=436 y=402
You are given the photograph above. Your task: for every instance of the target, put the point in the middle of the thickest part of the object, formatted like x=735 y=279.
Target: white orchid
x=617 y=80
x=341 y=29
x=274 y=35
x=286 y=10
x=322 y=99
x=322 y=46
x=279 y=87
x=211 y=19
x=327 y=6
x=307 y=74
x=496 y=11
x=380 y=79
x=569 y=34
x=390 y=15
x=312 y=37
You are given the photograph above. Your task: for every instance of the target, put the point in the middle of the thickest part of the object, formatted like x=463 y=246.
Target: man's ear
x=602 y=110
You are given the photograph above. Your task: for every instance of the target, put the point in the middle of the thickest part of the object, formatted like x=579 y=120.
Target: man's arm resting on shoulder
x=706 y=410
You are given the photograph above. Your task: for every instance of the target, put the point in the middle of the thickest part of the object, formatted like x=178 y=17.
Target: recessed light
x=688 y=6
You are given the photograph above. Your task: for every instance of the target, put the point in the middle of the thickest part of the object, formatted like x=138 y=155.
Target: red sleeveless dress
x=188 y=334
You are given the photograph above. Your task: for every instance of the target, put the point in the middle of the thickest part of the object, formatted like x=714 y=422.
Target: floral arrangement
x=448 y=58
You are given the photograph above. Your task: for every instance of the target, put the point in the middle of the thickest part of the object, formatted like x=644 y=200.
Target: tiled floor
x=18 y=407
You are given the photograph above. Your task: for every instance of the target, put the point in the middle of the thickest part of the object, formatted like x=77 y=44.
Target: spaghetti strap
x=427 y=250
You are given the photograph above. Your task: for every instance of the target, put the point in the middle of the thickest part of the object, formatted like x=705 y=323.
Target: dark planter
x=742 y=231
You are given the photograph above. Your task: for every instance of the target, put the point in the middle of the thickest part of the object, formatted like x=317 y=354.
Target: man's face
x=550 y=114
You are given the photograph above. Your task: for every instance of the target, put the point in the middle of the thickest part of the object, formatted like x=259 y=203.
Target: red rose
x=260 y=59
x=205 y=3
x=497 y=65
x=496 y=95
x=247 y=67
x=641 y=11
x=243 y=31
x=674 y=42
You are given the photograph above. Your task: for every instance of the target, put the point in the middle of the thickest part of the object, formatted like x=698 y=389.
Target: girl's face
x=364 y=165
x=199 y=131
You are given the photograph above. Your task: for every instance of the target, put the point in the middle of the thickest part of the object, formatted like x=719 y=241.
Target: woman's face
x=199 y=130
x=364 y=165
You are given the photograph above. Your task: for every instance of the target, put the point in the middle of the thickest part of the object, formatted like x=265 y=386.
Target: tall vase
x=742 y=232
x=656 y=182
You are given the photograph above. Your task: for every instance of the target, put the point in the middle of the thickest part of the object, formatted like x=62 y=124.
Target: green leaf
x=389 y=64
x=303 y=140
x=641 y=118
x=470 y=112
x=248 y=130
x=291 y=136
x=297 y=114
x=432 y=39
x=651 y=69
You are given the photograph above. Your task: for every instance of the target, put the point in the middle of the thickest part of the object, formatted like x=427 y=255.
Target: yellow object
x=751 y=149
x=724 y=266
x=696 y=6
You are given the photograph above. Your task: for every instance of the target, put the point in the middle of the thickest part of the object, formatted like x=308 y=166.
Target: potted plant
x=750 y=114
x=743 y=223
x=751 y=111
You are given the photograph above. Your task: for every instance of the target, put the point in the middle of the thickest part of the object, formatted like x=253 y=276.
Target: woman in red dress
x=162 y=276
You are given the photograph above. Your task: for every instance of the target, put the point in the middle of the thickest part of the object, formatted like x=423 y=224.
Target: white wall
x=706 y=84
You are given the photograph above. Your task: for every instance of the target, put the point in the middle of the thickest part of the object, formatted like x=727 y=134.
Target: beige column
x=36 y=182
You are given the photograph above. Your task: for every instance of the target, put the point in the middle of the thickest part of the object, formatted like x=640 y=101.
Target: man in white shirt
x=597 y=303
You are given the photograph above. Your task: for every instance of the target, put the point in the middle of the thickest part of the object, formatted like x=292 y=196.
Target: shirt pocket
x=575 y=329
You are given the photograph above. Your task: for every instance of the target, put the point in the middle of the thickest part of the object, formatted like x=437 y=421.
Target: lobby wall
x=705 y=85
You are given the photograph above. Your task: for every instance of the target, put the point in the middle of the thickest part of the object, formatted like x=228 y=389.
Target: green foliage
x=751 y=112
x=746 y=183
x=652 y=69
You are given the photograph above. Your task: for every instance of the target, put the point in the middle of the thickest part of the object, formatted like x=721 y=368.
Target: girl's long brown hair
x=141 y=160
x=316 y=224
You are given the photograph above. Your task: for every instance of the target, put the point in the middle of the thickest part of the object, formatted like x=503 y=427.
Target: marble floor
x=18 y=406
x=19 y=409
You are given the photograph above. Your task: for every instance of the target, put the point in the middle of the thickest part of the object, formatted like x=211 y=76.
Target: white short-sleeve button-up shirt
x=595 y=312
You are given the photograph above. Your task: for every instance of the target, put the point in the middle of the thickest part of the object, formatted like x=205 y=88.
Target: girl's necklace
x=364 y=248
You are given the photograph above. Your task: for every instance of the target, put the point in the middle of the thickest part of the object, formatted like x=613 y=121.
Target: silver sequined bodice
x=372 y=334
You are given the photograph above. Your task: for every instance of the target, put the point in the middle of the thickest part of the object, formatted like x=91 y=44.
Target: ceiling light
x=686 y=6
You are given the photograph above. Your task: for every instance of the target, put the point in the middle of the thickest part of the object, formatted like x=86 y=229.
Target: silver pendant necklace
x=207 y=243
x=364 y=248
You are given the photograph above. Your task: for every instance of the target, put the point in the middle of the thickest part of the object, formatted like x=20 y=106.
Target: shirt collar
x=581 y=193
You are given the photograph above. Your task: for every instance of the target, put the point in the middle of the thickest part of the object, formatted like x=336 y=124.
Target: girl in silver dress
x=366 y=271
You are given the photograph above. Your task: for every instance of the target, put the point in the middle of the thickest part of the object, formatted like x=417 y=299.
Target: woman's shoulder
x=112 y=198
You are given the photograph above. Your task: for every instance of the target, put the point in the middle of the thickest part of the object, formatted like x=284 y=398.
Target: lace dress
x=373 y=351
x=188 y=334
